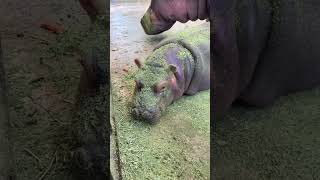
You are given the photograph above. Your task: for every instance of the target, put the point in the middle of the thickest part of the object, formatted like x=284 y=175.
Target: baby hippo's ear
x=138 y=63
x=172 y=68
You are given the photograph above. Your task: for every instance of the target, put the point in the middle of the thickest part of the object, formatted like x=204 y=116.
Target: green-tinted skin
x=146 y=23
x=156 y=70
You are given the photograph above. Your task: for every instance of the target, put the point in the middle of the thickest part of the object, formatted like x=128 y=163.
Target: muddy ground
x=176 y=148
x=43 y=78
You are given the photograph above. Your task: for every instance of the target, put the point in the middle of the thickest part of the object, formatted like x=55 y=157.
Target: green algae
x=147 y=24
x=156 y=70
x=184 y=54
x=194 y=35
x=156 y=67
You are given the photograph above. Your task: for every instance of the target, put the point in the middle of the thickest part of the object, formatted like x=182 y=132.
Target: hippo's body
x=261 y=49
x=178 y=66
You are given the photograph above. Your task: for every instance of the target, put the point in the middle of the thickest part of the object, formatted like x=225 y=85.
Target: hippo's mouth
x=152 y=24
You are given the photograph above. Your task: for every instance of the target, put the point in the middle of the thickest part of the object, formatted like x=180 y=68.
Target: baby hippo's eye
x=160 y=87
x=139 y=85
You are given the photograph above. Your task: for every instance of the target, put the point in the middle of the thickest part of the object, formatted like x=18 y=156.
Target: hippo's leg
x=225 y=63
x=269 y=79
x=258 y=96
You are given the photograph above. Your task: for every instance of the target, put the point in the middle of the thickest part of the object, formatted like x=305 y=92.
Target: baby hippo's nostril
x=135 y=111
x=147 y=115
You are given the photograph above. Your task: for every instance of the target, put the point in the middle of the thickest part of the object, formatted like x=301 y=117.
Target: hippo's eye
x=139 y=85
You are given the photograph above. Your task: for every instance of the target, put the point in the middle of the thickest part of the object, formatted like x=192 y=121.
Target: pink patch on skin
x=173 y=82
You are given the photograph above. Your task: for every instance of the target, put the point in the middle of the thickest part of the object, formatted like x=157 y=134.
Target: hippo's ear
x=138 y=63
x=172 y=68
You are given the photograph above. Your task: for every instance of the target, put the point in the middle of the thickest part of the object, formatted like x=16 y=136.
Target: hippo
x=178 y=66
x=261 y=50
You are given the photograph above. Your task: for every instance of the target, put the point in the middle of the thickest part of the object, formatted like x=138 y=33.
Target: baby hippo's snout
x=150 y=115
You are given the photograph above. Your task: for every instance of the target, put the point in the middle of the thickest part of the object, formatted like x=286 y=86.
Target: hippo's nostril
x=135 y=111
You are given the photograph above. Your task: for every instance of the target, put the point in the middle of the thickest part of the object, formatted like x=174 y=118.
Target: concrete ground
x=177 y=147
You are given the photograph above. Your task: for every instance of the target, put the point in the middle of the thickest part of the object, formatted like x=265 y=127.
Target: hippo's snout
x=146 y=24
x=154 y=25
x=150 y=115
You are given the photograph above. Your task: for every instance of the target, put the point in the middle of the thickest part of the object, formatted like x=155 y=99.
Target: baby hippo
x=178 y=66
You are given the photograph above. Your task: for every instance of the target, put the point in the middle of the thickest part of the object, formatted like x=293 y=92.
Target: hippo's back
x=197 y=41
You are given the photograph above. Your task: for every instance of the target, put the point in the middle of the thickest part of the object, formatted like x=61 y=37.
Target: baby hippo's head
x=155 y=82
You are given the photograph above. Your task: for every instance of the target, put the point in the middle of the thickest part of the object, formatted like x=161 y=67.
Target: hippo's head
x=153 y=23
x=162 y=14
x=155 y=89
